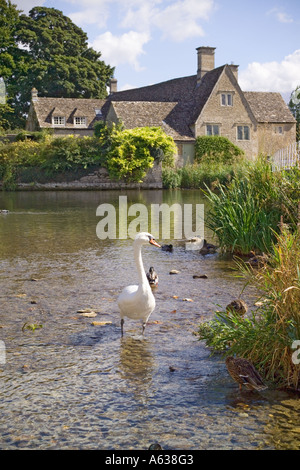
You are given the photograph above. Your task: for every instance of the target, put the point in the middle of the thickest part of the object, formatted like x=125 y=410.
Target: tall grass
x=245 y=214
x=200 y=175
x=266 y=337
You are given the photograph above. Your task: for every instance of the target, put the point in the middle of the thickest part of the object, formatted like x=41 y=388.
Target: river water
x=67 y=383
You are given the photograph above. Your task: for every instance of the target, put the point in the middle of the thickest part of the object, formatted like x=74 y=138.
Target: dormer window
x=226 y=99
x=98 y=113
x=58 y=120
x=80 y=121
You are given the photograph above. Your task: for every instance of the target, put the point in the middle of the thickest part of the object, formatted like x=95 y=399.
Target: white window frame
x=58 y=120
x=226 y=99
x=213 y=128
x=79 y=121
x=244 y=133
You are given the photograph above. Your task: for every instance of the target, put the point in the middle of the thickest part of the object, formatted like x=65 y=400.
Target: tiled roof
x=153 y=114
x=268 y=107
x=174 y=105
x=176 y=102
x=45 y=108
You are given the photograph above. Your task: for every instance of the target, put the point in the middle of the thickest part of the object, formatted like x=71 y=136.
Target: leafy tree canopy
x=48 y=51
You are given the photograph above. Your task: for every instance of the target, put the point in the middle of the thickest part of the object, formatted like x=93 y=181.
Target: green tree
x=48 y=51
x=132 y=152
x=294 y=106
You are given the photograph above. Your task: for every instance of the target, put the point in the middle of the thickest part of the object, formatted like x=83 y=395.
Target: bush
x=216 y=149
x=133 y=151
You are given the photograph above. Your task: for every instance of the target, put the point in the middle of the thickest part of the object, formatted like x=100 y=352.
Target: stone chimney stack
x=34 y=94
x=235 y=70
x=206 y=61
x=113 y=85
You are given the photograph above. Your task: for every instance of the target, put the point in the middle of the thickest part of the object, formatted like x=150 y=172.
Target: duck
x=167 y=248
x=208 y=248
x=152 y=277
x=137 y=301
x=244 y=373
x=238 y=306
x=257 y=261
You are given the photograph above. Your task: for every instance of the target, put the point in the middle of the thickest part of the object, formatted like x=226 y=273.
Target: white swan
x=138 y=302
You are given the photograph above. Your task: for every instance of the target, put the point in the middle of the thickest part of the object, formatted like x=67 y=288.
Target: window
x=212 y=129
x=243 y=133
x=278 y=130
x=98 y=113
x=80 y=121
x=58 y=120
x=226 y=99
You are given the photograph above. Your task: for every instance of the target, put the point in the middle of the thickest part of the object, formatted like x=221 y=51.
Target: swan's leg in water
x=144 y=326
x=122 y=323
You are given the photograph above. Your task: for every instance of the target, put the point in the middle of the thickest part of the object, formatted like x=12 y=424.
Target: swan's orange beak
x=153 y=242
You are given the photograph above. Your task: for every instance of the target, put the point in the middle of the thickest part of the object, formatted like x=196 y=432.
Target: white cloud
x=126 y=48
x=27 y=5
x=92 y=12
x=281 y=16
x=281 y=76
x=177 y=20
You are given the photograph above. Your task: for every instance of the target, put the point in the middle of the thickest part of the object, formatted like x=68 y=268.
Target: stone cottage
x=210 y=102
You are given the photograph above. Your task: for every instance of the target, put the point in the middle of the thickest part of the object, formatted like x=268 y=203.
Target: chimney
x=113 y=85
x=206 y=61
x=34 y=94
x=235 y=70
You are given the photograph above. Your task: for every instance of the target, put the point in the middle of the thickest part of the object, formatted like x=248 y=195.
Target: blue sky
x=149 y=41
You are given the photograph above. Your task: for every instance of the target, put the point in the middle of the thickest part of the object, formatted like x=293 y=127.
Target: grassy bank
x=269 y=336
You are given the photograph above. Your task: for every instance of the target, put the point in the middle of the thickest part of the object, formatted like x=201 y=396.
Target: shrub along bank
x=127 y=155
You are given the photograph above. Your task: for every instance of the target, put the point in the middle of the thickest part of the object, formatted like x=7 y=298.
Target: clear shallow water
x=72 y=385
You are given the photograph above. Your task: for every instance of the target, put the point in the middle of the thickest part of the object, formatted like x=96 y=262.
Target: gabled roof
x=153 y=114
x=175 y=105
x=268 y=107
x=176 y=102
x=45 y=108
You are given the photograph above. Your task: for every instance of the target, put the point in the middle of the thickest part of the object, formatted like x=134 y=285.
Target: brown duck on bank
x=257 y=261
x=244 y=373
x=238 y=306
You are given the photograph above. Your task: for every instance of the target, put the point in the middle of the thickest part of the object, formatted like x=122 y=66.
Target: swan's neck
x=140 y=267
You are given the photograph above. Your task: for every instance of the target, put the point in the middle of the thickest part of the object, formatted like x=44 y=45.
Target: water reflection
x=136 y=367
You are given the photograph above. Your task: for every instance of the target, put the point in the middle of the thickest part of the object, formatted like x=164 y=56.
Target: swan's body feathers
x=136 y=304
x=137 y=301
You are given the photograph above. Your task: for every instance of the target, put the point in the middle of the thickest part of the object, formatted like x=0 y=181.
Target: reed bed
x=269 y=336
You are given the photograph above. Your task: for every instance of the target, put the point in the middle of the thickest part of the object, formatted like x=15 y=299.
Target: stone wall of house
x=229 y=117
x=275 y=136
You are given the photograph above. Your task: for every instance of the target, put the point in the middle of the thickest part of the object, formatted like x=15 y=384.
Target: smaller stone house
x=210 y=102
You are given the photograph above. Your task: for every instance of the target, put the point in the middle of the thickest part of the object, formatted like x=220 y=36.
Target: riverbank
x=95 y=179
